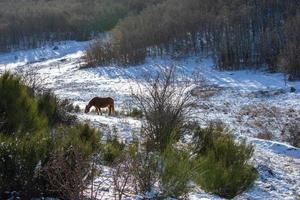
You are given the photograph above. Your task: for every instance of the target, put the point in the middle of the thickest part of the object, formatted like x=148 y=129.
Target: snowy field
x=249 y=102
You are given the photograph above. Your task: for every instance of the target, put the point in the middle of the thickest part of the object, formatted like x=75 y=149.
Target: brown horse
x=99 y=103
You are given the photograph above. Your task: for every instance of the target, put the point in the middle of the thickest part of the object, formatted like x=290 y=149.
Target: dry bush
x=106 y=53
x=265 y=135
x=144 y=171
x=291 y=133
x=135 y=171
x=266 y=120
x=122 y=177
x=272 y=123
x=32 y=79
x=205 y=91
x=100 y=179
x=99 y=52
x=68 y=174
x=165 y=103
x=260 y=110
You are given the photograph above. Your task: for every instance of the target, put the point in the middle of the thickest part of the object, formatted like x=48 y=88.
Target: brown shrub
x=265 y=135
x=291 y=133
x=67 y=174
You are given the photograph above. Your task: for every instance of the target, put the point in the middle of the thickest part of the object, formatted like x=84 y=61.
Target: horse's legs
x=97 y=110
x=112 y=107
x=109 y=110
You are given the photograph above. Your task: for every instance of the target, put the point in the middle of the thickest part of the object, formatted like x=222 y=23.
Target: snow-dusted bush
x=99 y=53
x=223 y=167
x=21 y=158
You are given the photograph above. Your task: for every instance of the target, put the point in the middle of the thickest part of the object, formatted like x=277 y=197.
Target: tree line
x=32 y=23
x=238 y=34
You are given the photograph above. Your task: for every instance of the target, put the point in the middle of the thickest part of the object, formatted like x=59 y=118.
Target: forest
x=32 y=23
x=238 y=34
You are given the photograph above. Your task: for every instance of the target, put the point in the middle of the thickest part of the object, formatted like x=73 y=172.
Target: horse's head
x=87 y=108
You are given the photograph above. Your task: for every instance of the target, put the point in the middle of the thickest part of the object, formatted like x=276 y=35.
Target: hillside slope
x=235 y=95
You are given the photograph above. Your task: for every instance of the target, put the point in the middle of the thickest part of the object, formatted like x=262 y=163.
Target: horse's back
x=103 y=101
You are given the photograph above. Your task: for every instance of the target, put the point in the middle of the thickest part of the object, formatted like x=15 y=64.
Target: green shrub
x=26 y=142
x=203 y=138
x=85 y=138
x=18 y=110
x=136 y=113
x=21 y=157
x=112 y=149
x=57 y=111
x=177 y=171
x=223 y=167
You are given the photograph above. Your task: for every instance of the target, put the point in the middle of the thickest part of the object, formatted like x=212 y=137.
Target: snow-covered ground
x=250 y=102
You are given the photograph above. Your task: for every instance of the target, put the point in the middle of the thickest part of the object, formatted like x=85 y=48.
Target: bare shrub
x=122 y=177
x=165 y=103
x=260 y=110
x=144 y=171
x=100 y=53
x=272 y=123
x=34 y=82
x=265 y=135
x=67 y=174
x=291 y=133
x=100 y=187
x=135 y=171
x=106 y=53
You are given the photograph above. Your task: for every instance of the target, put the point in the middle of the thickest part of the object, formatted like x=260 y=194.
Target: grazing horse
x=99 y=103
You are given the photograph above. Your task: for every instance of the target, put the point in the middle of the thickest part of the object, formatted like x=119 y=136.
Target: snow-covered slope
x=238 y=94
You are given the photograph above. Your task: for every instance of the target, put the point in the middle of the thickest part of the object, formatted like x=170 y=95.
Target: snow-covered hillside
x=234 y=96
